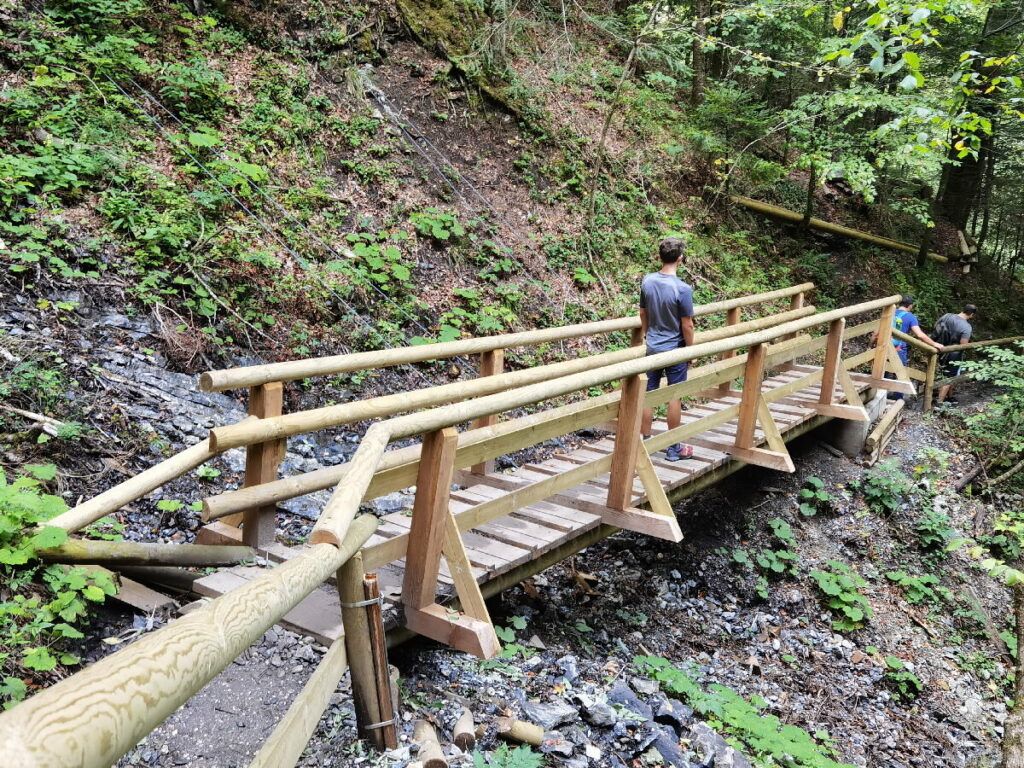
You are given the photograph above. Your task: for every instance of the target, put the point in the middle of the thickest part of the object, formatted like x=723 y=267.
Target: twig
x=36 y=417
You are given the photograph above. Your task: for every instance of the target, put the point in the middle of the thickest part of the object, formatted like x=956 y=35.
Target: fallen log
x=888 y=420
x=117 y=553
x=430 y=754
x=511 y=729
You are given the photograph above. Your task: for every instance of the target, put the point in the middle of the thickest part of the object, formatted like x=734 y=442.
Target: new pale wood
x=884 y=424
x=627 y=438
x=975 y=344
x=752 y=375
x=430 y=753
x=429 y=517
x=929 y=381
x=491 y=364
x=733 y=318
x=833 y=355
x=386 y=736
x=463 y=735
x=359 y=649
x=884 y=341
x=653 y=488
x=520 y=731
x=117 y=553
x=262 y=460
x=101 y=712
x=233 y=378
x=285 y=745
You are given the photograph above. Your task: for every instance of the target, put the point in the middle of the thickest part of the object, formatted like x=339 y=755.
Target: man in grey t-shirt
x=666 y=318
x=953 y=329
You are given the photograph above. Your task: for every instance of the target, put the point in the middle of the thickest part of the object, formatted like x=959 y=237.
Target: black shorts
x=951 y=367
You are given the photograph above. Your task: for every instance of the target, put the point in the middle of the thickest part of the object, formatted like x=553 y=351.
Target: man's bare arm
x=686 y=323
x=643 y=322
x=925 y=337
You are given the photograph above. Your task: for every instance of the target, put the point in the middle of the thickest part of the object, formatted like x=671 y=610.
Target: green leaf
x=42 y=471
x=39 y=659
x=51 y=536
x=93 y=593
x=204 y=139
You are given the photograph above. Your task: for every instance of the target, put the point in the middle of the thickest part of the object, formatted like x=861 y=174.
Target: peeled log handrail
x=98 y=714
x=928 y=349
x=975 y=344
x=825 y=226
x=116 y=553
x=233 y=378
x=300 y=422
x=339 y=511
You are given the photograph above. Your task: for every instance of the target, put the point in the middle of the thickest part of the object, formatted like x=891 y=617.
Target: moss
x=447 y=27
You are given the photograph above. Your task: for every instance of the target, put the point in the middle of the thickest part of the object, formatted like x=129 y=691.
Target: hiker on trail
x=953 y=329
x=666 y=319
x=906 y=321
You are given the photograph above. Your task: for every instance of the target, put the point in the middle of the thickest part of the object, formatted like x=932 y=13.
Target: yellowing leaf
x=837 y=21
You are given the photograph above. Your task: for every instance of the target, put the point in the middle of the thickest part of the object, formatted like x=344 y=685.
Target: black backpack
x=944 y=332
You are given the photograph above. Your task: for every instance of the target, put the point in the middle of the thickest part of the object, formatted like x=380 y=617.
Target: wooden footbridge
x=473 y=531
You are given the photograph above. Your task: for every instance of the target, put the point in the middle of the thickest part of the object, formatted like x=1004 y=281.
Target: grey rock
x=550 y=715
x=622 y=695
x=645 y=687
x=596 y=710
x=555 y=743
x=667 y=746
x=570 y=667
x=674 y=713
x=393 y=502
x=713 y=749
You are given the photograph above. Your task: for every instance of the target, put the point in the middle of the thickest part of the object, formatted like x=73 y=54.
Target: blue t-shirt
x=905 y=321
x=667 y=300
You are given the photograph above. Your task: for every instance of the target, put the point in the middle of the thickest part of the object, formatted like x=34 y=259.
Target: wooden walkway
x=521 y=543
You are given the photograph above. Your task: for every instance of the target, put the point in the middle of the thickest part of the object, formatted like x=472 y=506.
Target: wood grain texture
x=261 y=465
x=101 y=712
x=491 y=364
x=627 y=438
x=115 y=553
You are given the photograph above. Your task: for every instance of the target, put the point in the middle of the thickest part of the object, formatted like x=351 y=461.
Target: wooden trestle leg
x=835 y=373
x=434 y=532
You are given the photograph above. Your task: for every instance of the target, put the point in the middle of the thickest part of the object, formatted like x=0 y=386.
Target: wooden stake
x=833 y=355
x=492 y=363
x=929 y=381
x=259 y=524
x=627 y=435
x=463 y=734
x=430 y=753
x=884 y=341
x=359 y=649
x=520 y=730
x=382 y=676
x=752 y=375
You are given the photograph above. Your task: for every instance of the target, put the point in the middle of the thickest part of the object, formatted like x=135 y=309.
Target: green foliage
x=933 y=529
x=842 y=587
x=997 y=431
x=38 y=382
x=813 y=498
x=885 y=488
x=920 y=589
x=762 y=736
x=442 y=226
x=41 y=607
x=505 y=757
x=903 y=683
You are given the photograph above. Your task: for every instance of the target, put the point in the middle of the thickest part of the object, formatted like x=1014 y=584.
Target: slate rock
x=674 y=713
x=550 y=715
x=713 y=749
x=554 y=743
x=667 y=746
x=596 y=710
x=570 y=667
x=393 y=502
x=622 y=695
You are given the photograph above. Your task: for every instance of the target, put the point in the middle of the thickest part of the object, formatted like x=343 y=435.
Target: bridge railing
x=101 y=712
x=932 y=355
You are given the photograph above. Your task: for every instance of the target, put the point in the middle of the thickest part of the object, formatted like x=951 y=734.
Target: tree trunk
x=699 y=63
x=1013 y=728
x=809 y=203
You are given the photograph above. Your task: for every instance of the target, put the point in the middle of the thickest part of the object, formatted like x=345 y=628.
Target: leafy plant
x=814 y=498
x=437 y=224
x=41 y=607
x=885 y=488
x=905 y=685
x=918 y=589
x=842 y=589
x=504 y=757
x=762 y=735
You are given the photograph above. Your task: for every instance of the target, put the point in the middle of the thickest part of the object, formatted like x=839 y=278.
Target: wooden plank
x=466 y=587
x=429 y=516
x=833 y=354
x=884 y=342
x=623 y=469
x=492 y=363
x=573 y=518
x=140 y=597
x=631 y=519
x=752 y=374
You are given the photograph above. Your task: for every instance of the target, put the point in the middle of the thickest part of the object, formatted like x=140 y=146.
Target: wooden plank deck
x=500 y=546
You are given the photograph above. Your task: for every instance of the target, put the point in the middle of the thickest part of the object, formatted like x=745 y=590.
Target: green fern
x=503 y=757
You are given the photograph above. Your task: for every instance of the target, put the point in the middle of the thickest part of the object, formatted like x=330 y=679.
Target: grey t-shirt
x=667 y=300
x=958 y=328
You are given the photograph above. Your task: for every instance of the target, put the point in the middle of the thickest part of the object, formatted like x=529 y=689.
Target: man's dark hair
x=970 y=309
x=906 y=300
x=671 y=250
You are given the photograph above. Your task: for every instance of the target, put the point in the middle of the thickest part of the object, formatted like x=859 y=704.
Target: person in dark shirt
x=666 y=319
x=953 y=329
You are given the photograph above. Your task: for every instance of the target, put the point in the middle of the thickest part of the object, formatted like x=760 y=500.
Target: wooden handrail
x=234 y=378
x=101 y=712
x=914 y=342
x=975 y=344
x=341 y=509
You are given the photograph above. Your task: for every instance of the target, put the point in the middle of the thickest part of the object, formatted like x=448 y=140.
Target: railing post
x=833 y=356
x=261 y=464
x=929 y=381
x=884 y=341
x=492 y=363
x=627 y=443
x=731 y=318
x=752 y=374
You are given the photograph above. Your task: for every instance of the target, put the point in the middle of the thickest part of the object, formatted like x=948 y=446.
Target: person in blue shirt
x=666 y=319
x=906 y=321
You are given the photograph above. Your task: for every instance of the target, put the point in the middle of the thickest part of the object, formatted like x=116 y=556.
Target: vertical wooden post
x=884 y=341
x=386 y=737
x=795 y=302
x=929 y=381
x=261 y=463
x=833 y=356
x=752 y=373
x=492 y=363
x=359 y=648
x=429 y=517
x=627 y=443
x=732 y=318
